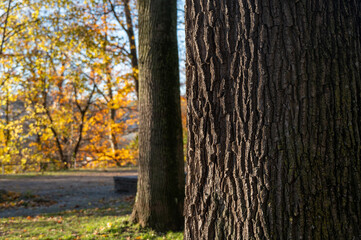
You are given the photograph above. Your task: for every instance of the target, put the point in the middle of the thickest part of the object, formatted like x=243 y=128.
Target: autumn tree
x=64 y=66
x=274 y=119
x=9 y=117
x=159 y=201
x=113 y=89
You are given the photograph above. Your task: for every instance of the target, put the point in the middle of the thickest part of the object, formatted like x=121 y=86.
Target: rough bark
x=160 y=196
x=274 y=119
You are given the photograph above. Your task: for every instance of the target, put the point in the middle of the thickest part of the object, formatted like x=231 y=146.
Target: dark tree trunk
x=274 y=119
x=159 y=201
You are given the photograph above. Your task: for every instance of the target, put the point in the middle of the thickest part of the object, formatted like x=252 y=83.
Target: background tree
x=5 y=13
x=65 y=65
x=128 y=27
x=274 y=122
x=159 y=201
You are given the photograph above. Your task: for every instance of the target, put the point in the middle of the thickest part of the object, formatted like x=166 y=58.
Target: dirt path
x=70 y=191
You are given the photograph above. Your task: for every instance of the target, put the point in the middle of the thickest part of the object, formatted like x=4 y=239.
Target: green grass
x=110 y=223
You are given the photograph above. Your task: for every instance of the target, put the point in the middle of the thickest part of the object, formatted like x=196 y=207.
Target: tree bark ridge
x=273 y=93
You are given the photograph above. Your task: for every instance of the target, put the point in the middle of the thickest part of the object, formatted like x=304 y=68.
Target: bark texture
x=274 y=98
x=160 y=196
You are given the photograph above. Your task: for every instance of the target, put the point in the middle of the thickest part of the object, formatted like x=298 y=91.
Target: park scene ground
x=231 y=119
x=77 y=204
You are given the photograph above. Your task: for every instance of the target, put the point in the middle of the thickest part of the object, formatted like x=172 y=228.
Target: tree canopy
x=68 y=79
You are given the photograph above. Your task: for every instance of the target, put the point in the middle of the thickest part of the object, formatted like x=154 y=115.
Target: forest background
x=68 y=79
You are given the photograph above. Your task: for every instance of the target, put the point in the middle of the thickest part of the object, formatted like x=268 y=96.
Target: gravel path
x=70 y=191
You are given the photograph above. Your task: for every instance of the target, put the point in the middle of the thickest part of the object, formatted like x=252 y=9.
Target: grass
x=84 y=224
x=108 y=223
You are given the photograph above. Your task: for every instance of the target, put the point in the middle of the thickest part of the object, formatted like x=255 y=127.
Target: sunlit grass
x=109 y=223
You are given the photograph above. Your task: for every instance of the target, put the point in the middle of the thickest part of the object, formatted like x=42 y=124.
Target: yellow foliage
x=65 y=89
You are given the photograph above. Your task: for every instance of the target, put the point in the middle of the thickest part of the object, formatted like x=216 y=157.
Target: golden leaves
x=64 y=79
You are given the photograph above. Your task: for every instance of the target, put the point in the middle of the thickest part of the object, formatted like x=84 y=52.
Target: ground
x=70 y=190
x=69 y=205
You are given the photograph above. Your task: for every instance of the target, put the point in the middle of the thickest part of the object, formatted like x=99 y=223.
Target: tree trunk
x=274 y=117
x=132 y=46
x=159 y=201
x=5 y=23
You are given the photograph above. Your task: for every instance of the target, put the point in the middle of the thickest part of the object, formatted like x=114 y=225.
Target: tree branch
x=5 y=26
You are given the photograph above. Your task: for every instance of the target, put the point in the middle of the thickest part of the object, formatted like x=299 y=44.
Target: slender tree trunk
x=133 y=48
x=62 y=152
x=112 y=112
x=274 y=117
x=3 y=37
x=6 y=131
x=7 y=120
x=159 y=201
x=79 y=140
x=112 y=134
x=83 y=112
x=131 y=37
